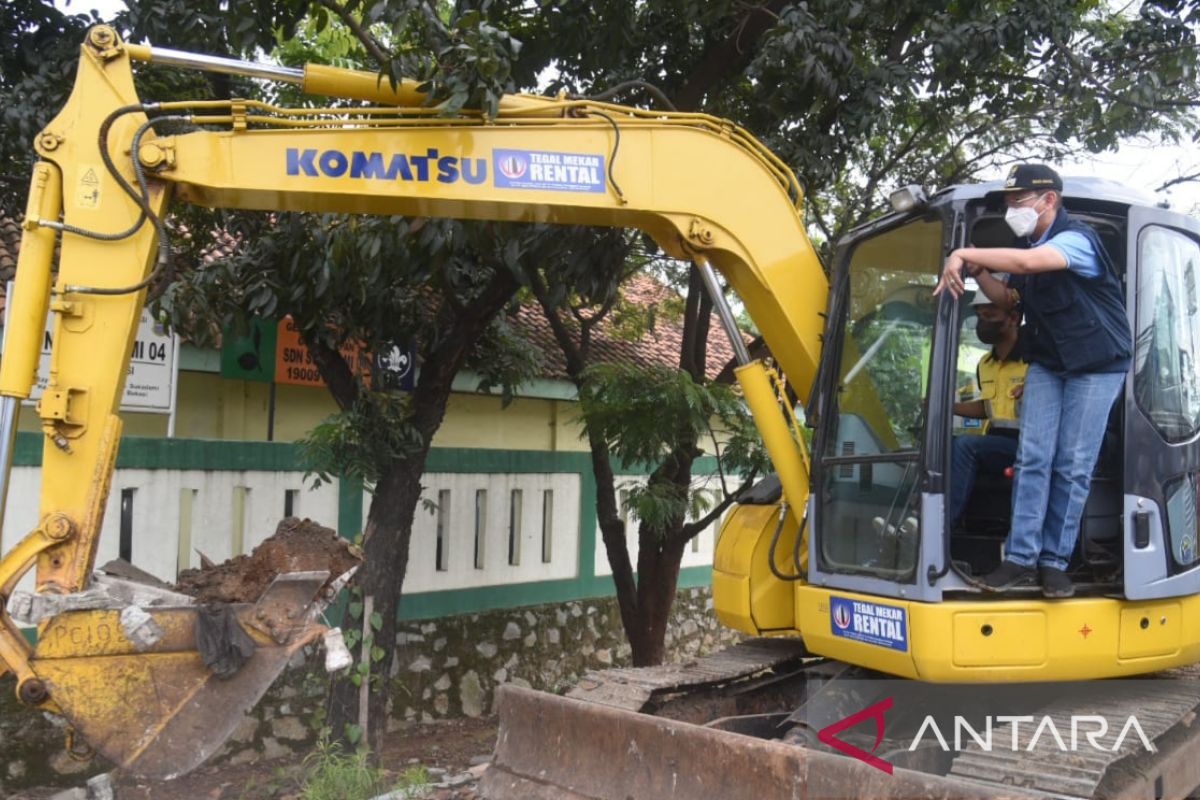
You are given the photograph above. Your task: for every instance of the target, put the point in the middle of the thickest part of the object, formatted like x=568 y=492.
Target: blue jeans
x=972 y=455
x=1063 y=418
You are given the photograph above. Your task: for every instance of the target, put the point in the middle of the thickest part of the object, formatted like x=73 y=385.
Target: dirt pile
x=298 y=545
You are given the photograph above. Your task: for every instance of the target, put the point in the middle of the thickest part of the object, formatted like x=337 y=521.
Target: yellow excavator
x=845 y=561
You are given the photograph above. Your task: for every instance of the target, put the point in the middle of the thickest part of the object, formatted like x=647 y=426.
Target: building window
x=442 y=558
x=480 y=525
x=547 y=525
x=514 y=528
x=125 y=549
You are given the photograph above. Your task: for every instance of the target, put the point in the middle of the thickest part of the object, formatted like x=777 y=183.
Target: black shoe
x=1006 y=576
x=1055 y=583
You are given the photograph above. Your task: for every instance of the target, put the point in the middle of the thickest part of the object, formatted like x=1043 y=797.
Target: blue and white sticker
x=874 y=623
x=540 y=169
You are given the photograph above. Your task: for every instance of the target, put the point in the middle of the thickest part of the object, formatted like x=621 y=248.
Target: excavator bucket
x=560 y=748
x=138 y=690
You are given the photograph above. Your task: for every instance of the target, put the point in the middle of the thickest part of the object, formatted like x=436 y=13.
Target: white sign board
x=152 y=367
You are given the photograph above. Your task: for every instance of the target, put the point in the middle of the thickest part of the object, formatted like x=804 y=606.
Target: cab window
x=1165 y=379
x=869 y=516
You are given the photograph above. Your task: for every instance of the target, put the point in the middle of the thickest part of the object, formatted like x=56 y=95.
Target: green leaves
x=474 y=65
x=644 y=412
x=505 y=358
x=363 y=441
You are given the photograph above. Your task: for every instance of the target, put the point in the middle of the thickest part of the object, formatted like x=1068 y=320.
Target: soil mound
x=298 y=545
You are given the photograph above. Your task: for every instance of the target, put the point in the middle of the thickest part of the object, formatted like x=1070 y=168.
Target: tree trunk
x=388 y=530
x=644 y=598
x=387 y=534
x=658 y=579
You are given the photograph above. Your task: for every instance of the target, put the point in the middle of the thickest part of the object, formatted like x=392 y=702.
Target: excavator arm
x=700 y=186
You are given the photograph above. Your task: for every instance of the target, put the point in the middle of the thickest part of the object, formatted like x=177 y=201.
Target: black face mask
x=989 y=332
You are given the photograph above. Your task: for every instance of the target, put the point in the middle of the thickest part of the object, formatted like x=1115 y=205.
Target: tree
x=377 y=282
x=656 y=417
x=437 y=285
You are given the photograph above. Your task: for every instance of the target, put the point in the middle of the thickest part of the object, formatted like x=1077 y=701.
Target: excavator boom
x=107 y=174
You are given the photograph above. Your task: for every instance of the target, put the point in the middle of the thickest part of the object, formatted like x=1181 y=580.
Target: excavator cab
x=896 y=360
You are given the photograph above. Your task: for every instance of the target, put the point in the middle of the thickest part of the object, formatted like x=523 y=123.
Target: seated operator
x=1001 y=377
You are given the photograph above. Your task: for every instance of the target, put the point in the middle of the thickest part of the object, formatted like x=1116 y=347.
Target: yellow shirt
x=999 y=385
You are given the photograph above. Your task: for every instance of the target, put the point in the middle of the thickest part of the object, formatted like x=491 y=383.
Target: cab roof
x=1081 y=187
x=1080 y=192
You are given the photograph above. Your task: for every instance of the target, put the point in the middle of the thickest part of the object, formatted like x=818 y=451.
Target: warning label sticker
x=88 y=190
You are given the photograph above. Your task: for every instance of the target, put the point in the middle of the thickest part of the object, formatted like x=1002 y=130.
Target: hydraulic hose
x=141 y=198
x=799 y=575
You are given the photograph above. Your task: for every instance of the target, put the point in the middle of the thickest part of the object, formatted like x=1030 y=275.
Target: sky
x=1144 y=166
x=1148 y=166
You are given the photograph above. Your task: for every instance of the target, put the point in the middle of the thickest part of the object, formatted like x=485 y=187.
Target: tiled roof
x=659 y=345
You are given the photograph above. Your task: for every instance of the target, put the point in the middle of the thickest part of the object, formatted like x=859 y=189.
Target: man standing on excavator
x=1079 y=349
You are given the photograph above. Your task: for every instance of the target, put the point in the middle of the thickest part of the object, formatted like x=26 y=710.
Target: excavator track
x=1162 y=707
x=637 y=688
x=708 y=728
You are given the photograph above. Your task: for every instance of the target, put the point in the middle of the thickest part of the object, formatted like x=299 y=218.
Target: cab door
x=1162 y=406
x=871 y=496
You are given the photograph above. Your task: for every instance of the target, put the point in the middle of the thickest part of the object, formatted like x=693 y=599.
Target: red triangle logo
x=828 y=735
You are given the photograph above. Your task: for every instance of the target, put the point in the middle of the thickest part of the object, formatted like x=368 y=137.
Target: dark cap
x=1032 y=178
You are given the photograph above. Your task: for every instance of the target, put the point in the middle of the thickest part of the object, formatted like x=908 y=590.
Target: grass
x=331 y=774
x=268 y=788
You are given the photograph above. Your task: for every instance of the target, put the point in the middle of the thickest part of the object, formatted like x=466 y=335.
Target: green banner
x=250 y=357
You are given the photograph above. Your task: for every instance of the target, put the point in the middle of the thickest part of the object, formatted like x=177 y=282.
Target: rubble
x=298 y=545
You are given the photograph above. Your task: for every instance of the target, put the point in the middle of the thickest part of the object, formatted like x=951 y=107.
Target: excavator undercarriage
x=732 y=726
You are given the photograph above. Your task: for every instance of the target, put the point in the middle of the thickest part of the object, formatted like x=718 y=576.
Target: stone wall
x=451 y=666
x=445 y=667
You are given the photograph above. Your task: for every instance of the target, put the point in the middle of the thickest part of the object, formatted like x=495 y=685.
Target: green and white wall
x=510 y=519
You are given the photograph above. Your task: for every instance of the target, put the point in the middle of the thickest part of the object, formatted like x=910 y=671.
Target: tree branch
x=757 y=348
x=335 y=371
x=691 y=529
x=373 y=45
x=1195 y=176
x=729 y=57
x=575 y=355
